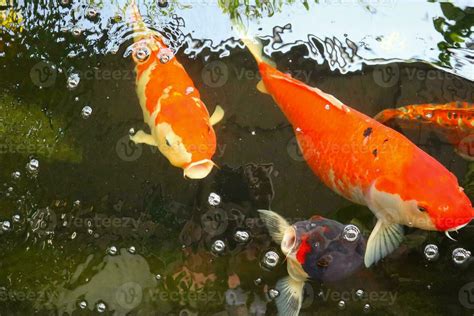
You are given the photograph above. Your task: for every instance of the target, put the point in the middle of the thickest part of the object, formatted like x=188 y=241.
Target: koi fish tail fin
x=253 y=44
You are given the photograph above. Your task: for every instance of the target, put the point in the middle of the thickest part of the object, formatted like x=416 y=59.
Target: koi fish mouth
x=454 y=229
x=199 y=169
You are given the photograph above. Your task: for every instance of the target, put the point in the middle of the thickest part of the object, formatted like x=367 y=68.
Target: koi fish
x=178 y=119
x=315 y=249
x=367 y=162
x=454 y=121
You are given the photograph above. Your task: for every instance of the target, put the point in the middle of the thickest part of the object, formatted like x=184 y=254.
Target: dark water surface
x=106 y=227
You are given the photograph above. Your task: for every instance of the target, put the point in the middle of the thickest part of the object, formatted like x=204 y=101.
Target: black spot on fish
x=324 y=261
x=374 y=152
x=455 y=115
x=367 y=132
x=385 y=140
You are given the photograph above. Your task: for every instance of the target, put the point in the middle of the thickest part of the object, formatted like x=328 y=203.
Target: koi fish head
x=431 y=197
x=184 y=134
x=319 y=247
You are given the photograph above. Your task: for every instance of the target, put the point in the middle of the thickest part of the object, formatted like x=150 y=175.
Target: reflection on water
x=91 y=222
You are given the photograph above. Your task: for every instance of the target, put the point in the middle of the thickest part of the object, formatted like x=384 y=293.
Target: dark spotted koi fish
x=454 y=120
x=315 y=249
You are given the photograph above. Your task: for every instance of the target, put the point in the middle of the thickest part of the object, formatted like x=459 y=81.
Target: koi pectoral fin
x=143 y=138
x=275 y=224
x=291 y=296
x=261 y=87
x=383 y=240
x=217 y=116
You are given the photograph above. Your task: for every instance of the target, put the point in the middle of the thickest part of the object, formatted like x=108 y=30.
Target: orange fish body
x=178 y=119
x=367 y=162
x=454 y=121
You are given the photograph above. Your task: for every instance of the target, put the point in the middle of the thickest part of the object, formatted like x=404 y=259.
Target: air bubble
x=351 y=233
x=91 y=13
x=241 y=236
x=461 y=255
x=101 y=307
x=86 y=112
x=165 y=55
x=431 y=252
x=112 y=250
x=360 y=293
x=16 y=175
x=132 y=250
x=6 y=226
x=16 y=218
x=258 y=281
x=158 y=277
x=73 y=81
x=341 y=305
x=32 y=166
x=76 y=31
x=270 y=259
x=142 y=53
x=218 y=247
x=367 y=308
x=214 y=199
x=273 y=293
x=82 y=304
x=189 y=90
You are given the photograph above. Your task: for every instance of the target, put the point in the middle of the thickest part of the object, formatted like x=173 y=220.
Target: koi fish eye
x=167 y=142
x=141 y=54
x=421 y=208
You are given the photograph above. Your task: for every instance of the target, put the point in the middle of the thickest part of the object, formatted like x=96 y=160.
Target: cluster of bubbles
x=459 y=255
x=351 y=233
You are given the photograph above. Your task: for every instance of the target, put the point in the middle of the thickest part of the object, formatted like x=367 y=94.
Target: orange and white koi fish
x=367 y=162
x=454 y=121
x=178 y=119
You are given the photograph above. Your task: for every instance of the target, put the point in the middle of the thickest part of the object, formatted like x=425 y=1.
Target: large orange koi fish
x=367 y=162
x=178 y=119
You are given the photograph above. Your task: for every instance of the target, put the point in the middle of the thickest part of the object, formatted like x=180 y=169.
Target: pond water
x=93 y=224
